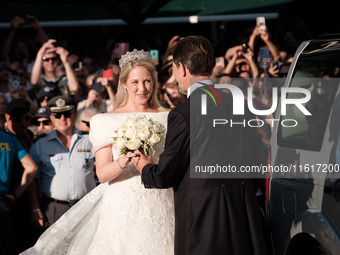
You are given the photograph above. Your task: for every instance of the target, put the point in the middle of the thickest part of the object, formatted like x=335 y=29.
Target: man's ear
x=183 y=69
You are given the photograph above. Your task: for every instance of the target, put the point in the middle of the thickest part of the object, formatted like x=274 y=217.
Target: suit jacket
x=212 y=216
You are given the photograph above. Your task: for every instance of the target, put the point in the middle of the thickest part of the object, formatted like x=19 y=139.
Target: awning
x=119 y=12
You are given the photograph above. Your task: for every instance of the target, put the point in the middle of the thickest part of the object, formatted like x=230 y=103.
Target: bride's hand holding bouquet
x=138 y=135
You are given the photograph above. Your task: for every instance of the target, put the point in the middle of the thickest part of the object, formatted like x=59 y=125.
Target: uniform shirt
x=10 y=150
x=64 y=175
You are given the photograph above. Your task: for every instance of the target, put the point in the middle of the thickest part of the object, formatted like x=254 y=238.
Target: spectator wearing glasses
x=47 y=60
x=42 y=122
x=65 y=164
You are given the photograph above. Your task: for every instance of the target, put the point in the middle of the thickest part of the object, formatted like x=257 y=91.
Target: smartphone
x=219 y=61
x=264 y=57
x=14 y=82
x=277 y=64
x=107 y=73
x=155 y=57
x=154 y=54
x=78 y=65
x=261 y=23
x=96 y=86
x=121 y=48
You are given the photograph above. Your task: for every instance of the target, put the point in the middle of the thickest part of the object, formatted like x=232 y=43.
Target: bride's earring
x=124 y=90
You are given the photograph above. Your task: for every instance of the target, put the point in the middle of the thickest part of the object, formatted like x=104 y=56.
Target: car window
x=318 y=70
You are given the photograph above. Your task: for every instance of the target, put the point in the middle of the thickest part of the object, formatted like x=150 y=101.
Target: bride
x=120 y=216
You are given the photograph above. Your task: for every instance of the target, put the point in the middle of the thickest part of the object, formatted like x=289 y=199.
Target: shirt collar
x=53 y=134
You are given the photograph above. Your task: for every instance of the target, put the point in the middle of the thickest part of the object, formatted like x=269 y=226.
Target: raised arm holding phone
x=261 y=30
x=47 y=60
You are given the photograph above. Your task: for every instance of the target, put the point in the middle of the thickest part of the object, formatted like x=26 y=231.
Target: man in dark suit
x=212 y=216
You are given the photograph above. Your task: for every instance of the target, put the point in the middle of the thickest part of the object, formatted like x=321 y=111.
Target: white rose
x=154 y=139
x=129 y=123
x=120 y=144
x=133 y=144
x=144 y=133
x=130 y=133
x=145 y=122
x=120 y=132
x=157 y=127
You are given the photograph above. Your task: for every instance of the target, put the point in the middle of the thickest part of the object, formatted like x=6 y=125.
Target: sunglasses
x=44 y=122
x=67 y=114
x=48 y=59
x=87 y=123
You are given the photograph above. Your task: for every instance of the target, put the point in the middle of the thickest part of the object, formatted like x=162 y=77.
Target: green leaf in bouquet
x=146 y=152
x=123 y=151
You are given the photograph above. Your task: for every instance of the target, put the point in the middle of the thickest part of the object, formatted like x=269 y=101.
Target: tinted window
x=318 y=70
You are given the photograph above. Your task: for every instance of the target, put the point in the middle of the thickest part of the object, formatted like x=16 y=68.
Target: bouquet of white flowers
x=138 y=132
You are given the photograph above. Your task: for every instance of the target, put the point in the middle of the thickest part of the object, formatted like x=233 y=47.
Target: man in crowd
x=65 y=164
x=47 y=59
x=10 y=151
x=18 y=118
x=42 y=121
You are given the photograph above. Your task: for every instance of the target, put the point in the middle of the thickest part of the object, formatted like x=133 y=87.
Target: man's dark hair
x=17 y=107
x=196 y=53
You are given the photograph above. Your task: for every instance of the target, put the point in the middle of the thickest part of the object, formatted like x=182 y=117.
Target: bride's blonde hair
x=122 y=96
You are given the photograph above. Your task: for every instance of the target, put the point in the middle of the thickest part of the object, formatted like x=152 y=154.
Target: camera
x=245 y=47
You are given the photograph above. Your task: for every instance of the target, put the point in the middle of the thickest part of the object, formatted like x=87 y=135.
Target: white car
x=304 y=195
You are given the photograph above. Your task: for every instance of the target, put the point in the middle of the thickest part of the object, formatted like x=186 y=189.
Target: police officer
x=18 y=117
x=65 y=164
x=11 y=150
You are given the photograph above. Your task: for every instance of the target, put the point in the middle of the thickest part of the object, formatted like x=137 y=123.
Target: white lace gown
x=116 y=218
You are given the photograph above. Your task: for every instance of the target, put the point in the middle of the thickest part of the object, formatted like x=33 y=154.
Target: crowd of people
x=50 y=99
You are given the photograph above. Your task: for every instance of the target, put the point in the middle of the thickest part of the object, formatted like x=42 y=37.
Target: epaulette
x=37 y=137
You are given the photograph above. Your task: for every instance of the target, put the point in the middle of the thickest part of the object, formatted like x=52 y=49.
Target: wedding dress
x=116 y=218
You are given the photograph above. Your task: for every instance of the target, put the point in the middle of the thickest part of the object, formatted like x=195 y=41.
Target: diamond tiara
x=134 y=55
